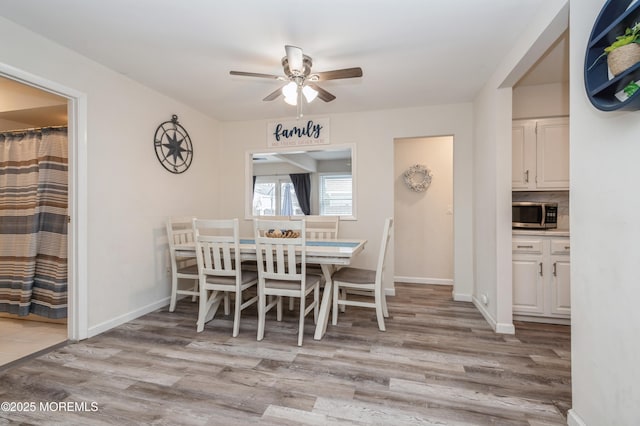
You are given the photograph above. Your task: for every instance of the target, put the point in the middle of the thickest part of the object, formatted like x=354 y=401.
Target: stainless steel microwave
x=534 y=215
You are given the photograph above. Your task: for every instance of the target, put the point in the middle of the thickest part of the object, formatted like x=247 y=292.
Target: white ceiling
x=412 y=52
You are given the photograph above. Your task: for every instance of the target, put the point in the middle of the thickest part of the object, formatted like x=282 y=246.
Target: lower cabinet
x=541 y=277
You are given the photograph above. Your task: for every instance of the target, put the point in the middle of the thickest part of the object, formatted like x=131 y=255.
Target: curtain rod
x=33 y=129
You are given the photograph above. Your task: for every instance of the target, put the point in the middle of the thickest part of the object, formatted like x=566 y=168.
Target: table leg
x=325 y=306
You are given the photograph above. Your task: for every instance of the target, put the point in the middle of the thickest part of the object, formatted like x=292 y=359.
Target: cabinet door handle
x=540 y=268
x=525 y=247
x=526 y=176
x=554 y=269
x=567 y=247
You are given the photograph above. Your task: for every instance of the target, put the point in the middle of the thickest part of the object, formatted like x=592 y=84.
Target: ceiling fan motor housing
x=306 y=67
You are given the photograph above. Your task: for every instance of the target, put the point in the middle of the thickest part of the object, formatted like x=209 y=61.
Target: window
x=275 y=196
x=336 y=195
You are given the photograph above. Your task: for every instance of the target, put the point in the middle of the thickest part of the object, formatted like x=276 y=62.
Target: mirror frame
x=248 y=173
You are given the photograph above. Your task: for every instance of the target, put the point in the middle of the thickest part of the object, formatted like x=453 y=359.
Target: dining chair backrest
x=384 y=245
x=179 y=231
x=280 y=257
x=183 y=265
x=321 y=227
x=273 y=217
x=216 y=242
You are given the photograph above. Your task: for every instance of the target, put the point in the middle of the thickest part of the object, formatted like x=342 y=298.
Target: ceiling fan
x=300 y=81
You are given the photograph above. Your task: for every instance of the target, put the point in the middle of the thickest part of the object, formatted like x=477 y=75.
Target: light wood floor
x=437 y=363
x=20 y=338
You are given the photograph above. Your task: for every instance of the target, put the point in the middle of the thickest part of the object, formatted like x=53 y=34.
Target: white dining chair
x=183 y=263
x=321 y=227
x=317 y=228
x=282 y=272
x=363 y=282
x=219 y=270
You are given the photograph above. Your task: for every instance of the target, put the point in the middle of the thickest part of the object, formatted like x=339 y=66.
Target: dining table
x=328 y=253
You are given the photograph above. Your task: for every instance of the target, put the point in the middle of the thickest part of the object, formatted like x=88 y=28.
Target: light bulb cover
x=291 y=100
x=309 y=93
x=290 y=90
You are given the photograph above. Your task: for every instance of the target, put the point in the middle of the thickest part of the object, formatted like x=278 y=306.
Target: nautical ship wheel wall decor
x=173 y=146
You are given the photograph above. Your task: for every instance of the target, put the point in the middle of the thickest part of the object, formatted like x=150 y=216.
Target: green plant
x=631 y=88
x=631 y=35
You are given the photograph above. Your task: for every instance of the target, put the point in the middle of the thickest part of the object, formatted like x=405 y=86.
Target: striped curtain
x=33 y=222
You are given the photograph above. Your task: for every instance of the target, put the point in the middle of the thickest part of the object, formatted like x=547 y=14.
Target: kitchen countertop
x=542 y=232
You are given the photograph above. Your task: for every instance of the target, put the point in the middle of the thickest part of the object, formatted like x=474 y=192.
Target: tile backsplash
x=560 y=197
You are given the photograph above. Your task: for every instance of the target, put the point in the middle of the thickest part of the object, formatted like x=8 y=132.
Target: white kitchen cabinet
x=540 y=154
x=560 y=277
x=541 y=277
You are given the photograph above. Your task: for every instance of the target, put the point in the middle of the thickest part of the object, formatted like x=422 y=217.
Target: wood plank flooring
x=19 y=338
x=438 y=363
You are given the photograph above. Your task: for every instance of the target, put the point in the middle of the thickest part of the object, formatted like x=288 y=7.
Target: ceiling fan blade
x=322 y=94
x=294 y=57
x=257 y=74
x=337 y=74
x=273 y=95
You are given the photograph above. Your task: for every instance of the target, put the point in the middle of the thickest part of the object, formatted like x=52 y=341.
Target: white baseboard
x=422 y=280
x=502 y=328
x=574 y=420
x=462 y=297
x=108 y=325
x=542 y=320
x=390 y=291
x=505 y=328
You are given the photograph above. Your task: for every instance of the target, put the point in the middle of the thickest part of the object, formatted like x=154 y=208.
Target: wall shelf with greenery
x=617 y=25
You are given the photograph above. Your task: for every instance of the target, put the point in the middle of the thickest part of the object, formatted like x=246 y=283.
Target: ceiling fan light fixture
x=290 y=90
x=309 y=93
x=291 y=100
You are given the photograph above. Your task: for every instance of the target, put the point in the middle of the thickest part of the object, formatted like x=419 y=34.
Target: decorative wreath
x=418 y=178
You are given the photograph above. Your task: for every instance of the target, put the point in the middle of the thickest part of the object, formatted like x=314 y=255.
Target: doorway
x=424 y=218
x=25 y=107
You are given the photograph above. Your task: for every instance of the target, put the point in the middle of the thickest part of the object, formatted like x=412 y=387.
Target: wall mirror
x=298 y=181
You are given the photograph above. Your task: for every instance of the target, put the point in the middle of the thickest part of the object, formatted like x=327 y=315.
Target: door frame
x=77 y=285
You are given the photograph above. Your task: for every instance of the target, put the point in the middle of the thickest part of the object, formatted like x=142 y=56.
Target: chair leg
x=291 y=303
x=336 y=295
x=316 y=298
x=385 y=310
x=195 y=288
x=236 y=317
x=174 y=291
x=262 y=304
x=279 y=309
x=378 y=302
x=227 y=305
x=301 y=322
x=202 y=307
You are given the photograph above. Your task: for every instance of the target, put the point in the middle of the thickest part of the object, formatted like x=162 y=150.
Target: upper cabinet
x=540 y=154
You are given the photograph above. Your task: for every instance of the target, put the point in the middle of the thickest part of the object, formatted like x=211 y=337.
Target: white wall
x=605 y=319
x=492 y=162
x=424 y=220
x=373 y=134
x=16 y=96
x=542 y=100
x=129 y=195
